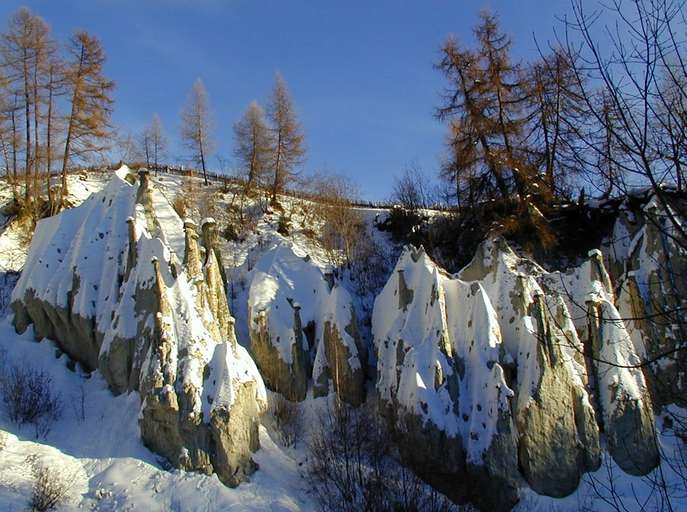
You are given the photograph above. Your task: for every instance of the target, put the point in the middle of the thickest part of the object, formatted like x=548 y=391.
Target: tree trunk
x=277 y=170
x=36 y=115
x=253 y=163
x=70 y=129
x=14 y=147
x=48 y=144
x=202 y=157
x=27 y=114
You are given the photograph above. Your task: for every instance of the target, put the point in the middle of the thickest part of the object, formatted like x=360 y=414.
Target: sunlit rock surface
x=106 y=281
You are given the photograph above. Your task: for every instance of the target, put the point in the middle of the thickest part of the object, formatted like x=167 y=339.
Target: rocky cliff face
x=106 y=282
x=487 y=369
x=649 y=269
x=303 y=328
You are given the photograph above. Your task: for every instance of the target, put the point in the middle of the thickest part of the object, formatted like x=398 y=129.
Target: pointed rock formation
x=302 y=327
x=488 y=367
x=647 y=255
x=102 y=281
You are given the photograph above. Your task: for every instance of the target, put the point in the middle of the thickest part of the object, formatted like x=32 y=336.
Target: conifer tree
x=24 y=49
x=196 y=126
x=88 y=127
x=288 y=141
x=483 y=104
x=253 y=146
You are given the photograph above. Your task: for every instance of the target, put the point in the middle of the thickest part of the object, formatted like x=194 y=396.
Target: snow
x=283 y=281
x=82 y=254
x=111 y=467
x=618 y=381
x=449 y=319
x=447 y=324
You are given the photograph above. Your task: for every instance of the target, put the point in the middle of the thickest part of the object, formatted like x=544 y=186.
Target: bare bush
x=208 y=203
x=29 y=398
x=51 y=487
x=186 y=198
x=411 y=189
x=287 y=420
x=351 y=469
x=341 y=223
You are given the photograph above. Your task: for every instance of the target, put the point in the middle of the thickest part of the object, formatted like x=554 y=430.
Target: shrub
x=180 y=206
x=29 y=398
x=51 y=487
x=283 y=225
x=286 y=416
x=350 y=467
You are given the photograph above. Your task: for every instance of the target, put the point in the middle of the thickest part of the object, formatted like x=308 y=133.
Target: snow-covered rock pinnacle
x=106 y=282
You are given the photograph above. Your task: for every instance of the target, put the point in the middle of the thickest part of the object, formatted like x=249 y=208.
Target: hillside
x=173 y=317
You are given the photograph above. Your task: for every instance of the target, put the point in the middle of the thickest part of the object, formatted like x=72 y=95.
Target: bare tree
x=411 y=189
x=253 y=146
x=288 y=140
x=644 y=56
x=91 y=103
x=126 y=146
x=632 y=60
x=196 y=126
x=555 y=113
x=158 y=141
x=145 y=146
x=343 y=226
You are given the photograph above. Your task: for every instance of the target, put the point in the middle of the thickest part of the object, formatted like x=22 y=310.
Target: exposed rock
x=649 y=264
x=302 y=326
x=103 y=283
x=290 y=378
x=625 y=401
x=558 y=435
x=509 y=333
x=438 y=349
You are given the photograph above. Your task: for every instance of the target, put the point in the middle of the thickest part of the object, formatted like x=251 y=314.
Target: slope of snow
x=112 y=469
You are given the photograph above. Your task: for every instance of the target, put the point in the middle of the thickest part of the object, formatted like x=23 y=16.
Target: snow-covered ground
x=96 y=442
x=111 y=468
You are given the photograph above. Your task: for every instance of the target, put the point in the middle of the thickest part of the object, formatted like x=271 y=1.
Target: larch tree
x=501 y=90
x=472 y=162
x=555 y=117
x=88 y=124
x=158 y=141
x=253 y=146
x=483 y=104
x=24 y=47
x=288 y=148
x=196 y=126
x=44 y=53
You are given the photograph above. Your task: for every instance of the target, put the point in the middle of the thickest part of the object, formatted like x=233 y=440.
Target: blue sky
x=360 y=72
